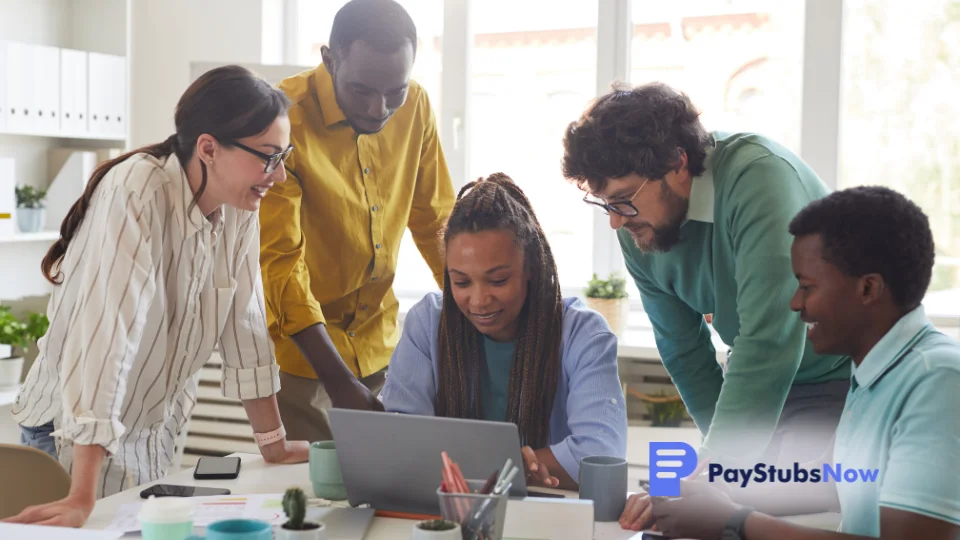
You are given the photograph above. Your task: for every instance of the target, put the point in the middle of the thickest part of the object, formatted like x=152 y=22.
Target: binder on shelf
x=8 y=198
x=19 y=79
x=73 y=92
x=3 y=86
x=46 y=88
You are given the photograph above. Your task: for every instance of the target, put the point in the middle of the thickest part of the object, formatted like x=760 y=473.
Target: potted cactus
x=437 y=529
x=296 y=527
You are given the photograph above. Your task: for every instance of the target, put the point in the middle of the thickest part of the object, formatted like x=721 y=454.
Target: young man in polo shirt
x=702 y=222
x=367 y=165
x=864 y=259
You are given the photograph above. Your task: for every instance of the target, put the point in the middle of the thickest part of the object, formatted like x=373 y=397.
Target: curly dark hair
x=634 y=130
x=874 y=229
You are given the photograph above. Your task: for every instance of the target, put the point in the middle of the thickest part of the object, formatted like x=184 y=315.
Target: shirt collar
x=332 y=114
x=891 y=347
x=702 y=196
x=182 y=200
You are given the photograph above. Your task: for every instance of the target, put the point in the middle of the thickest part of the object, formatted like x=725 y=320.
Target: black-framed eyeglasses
x=272 y=160
x=623 y=208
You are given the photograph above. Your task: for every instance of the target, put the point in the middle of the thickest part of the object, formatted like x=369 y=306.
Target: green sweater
x=734 y=261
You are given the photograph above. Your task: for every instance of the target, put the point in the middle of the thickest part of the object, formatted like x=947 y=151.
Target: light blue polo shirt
x=902 y=417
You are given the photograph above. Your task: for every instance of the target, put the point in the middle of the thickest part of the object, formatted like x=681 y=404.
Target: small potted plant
x=16 y=337
x=30 y=209
x=667 y=411
x=296 y=528
x=609 y=297
x=437 y=529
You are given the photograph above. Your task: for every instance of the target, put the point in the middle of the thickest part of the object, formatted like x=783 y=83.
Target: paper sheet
x=207 y=510
x=10 y=531
x=613 y=531
x=341 y=520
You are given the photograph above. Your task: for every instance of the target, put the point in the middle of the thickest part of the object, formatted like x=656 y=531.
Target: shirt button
x=351 y=334
x=374 y=278
x=363 y=307
x=378 y=246
x=366 y=170
x=375 y=208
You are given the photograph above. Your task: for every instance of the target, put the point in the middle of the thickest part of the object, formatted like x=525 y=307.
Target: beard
x=667 y=234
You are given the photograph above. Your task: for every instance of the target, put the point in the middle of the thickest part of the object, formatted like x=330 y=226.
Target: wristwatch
x=734 y=529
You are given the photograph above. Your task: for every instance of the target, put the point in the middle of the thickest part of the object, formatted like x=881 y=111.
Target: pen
x=501 y=487
x=490 y=483
x=505 y=470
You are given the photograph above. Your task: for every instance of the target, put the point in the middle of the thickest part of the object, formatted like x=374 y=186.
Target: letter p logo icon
x=669 y=462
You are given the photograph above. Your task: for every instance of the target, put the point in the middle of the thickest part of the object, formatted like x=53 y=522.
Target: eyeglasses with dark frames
x=272 y=160
x=623 y=208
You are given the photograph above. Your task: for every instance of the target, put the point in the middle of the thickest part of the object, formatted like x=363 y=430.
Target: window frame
x=820 y=99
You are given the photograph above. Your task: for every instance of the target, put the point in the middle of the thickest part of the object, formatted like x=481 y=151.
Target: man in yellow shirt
x=367 y=164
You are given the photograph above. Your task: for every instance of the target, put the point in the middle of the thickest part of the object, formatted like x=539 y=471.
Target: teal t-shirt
x=495 y=379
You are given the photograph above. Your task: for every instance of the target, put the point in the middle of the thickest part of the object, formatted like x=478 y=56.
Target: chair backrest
x=29 y=477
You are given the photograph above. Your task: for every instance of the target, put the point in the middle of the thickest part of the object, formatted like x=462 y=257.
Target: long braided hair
x=497 y=203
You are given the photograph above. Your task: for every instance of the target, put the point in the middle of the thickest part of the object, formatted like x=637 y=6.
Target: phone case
x=197 y=475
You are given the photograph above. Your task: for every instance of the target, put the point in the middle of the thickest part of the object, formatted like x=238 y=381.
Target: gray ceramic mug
x=603 y=480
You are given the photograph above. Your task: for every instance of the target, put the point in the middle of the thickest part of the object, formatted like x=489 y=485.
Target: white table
x=256 y=476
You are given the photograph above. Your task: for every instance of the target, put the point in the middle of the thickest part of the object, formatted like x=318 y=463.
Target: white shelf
x=42 y=236
x=77 y=136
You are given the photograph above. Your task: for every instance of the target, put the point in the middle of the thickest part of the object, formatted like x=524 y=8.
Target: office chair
x=29 y=477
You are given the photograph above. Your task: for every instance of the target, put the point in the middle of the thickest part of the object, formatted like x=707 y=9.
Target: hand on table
x=638 y=513
x=701 y=511
x=67 y=512
x=537 y=472
x=355 y=396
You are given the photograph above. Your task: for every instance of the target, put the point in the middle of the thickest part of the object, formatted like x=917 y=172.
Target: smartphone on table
x=217 y=468
x=168 y=490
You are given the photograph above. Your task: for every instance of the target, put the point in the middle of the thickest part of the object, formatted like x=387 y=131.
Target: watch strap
x=734 y=529
x=265 y=439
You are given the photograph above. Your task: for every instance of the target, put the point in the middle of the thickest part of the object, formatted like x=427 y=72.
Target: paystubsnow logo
x=672 y=461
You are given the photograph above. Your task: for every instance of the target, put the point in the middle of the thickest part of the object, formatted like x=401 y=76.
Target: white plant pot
x=6 y=351
x=30 y=220
x=452 y=534
x=319 y=533
x=10 y=371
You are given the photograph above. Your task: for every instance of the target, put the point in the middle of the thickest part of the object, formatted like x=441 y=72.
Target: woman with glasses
x=501 y=344
x=157 y=264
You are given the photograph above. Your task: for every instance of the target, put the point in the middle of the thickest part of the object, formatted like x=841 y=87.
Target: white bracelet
x=265 y=439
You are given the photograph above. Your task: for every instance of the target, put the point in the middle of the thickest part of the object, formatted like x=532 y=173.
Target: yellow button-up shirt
x=330 y=234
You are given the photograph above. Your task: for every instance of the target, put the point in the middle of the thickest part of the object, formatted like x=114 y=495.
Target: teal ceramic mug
x=237 y=529
x=325 y=472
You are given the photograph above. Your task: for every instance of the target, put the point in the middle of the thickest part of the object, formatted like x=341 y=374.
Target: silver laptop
x=392 y=461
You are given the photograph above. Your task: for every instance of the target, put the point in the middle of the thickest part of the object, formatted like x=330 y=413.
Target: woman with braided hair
x=501 y=343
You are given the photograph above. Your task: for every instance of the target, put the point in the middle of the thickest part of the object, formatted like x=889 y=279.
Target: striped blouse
x=150 y=287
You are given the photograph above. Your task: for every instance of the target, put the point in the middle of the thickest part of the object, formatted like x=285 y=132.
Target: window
x=900 y=117
x=740 y=61
x=315 y=21
x=533 y=73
